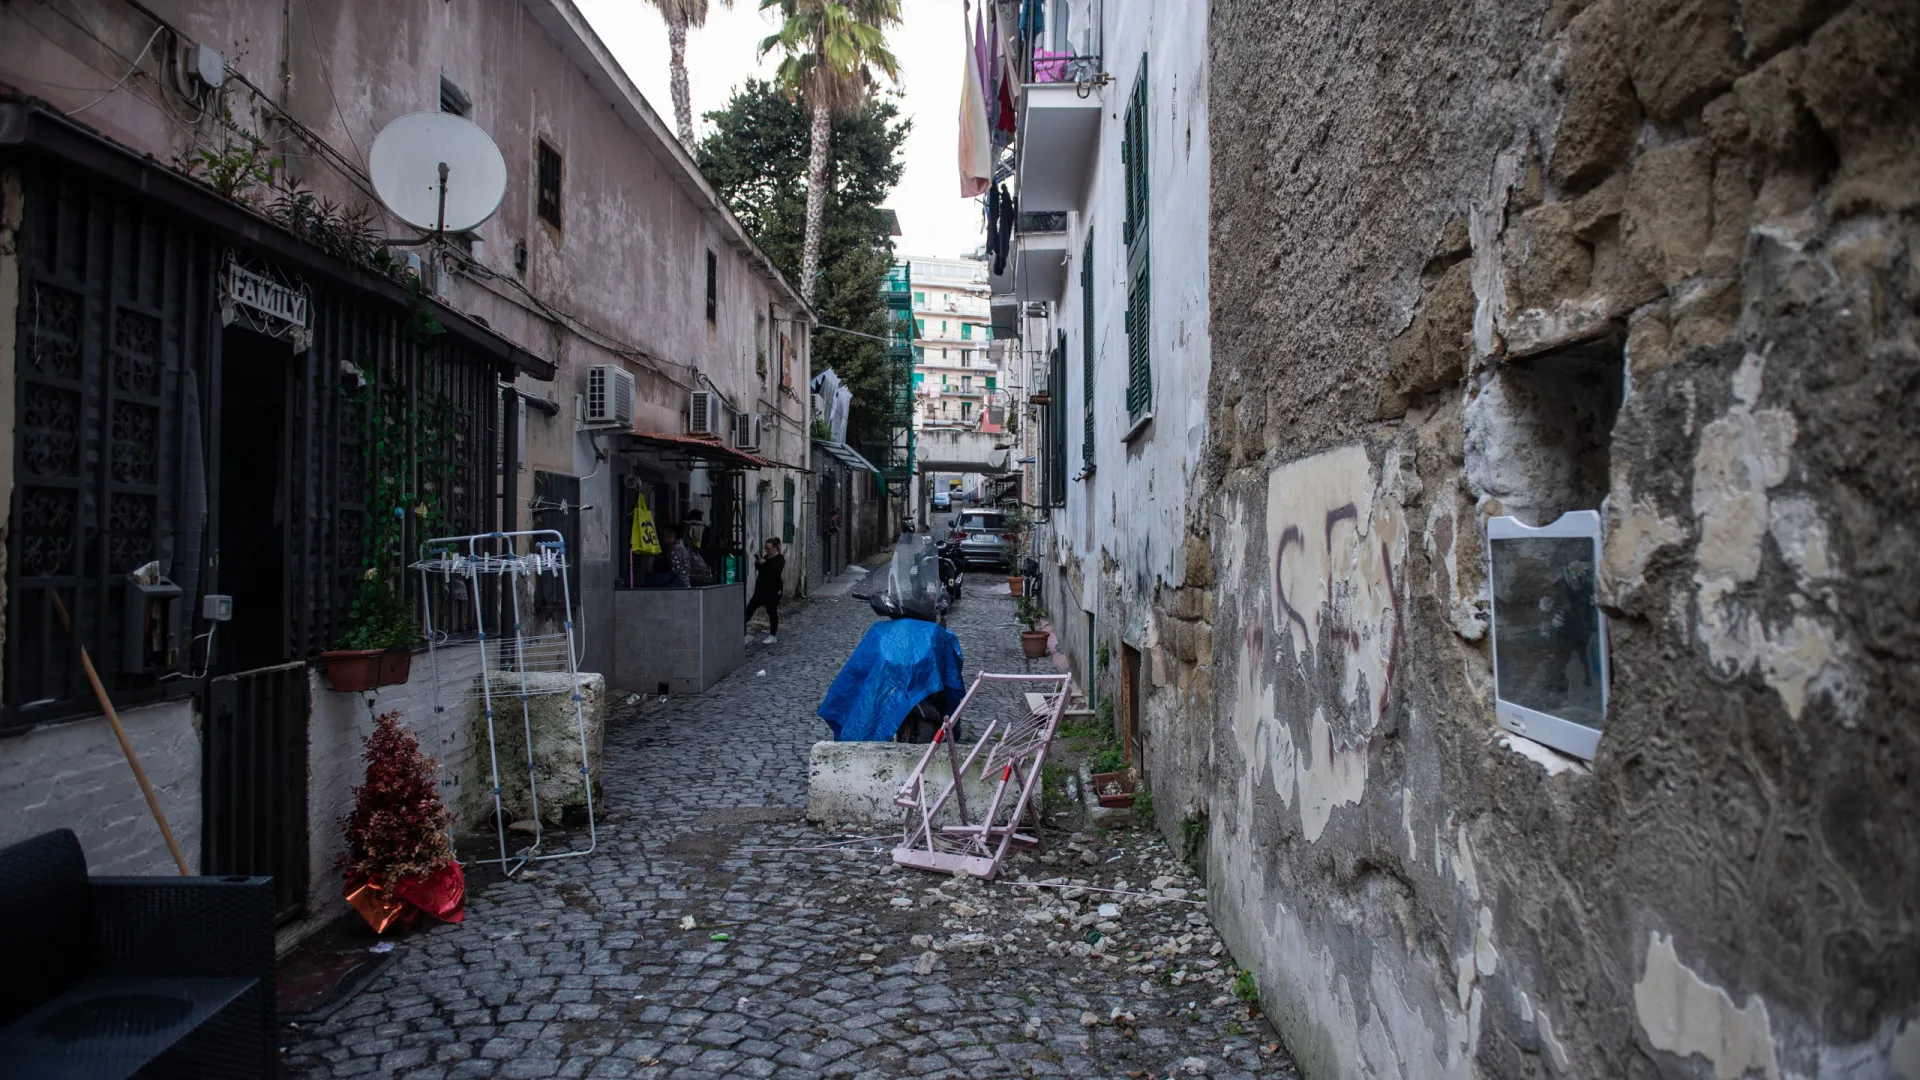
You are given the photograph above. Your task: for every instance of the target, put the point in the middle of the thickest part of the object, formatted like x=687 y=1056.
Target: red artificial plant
x=399 y=861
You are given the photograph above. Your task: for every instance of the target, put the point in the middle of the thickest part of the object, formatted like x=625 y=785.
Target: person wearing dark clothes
x=766 y=588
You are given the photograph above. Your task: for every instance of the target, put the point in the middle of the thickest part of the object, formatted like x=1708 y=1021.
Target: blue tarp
x=897 y=665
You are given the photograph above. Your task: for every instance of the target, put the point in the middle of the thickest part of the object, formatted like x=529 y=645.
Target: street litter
x=384 y=946
x=687 y=923
x=718 y=935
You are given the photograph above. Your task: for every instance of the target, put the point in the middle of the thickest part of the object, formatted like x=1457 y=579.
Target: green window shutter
x=919 y=377
x=786 y=514
x=1086 y=349
x=1139 y=261
x=990 y=381
x=966 y=331
x=919 y=299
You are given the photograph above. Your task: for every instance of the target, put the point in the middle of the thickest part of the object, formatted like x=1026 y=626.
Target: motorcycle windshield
x=913 y=577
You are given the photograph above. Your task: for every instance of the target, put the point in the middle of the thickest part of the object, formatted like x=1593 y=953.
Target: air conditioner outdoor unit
x=609 y=396
x=1036 y=309
x=703 y=414
x=746 y=431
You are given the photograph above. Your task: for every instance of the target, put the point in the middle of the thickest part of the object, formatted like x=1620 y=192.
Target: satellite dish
x=997 y=460
x=438 y=171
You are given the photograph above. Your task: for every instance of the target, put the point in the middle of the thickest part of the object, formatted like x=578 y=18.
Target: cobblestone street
x=834 y=963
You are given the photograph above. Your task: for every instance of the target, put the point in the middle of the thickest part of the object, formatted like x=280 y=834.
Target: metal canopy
x=695 y=449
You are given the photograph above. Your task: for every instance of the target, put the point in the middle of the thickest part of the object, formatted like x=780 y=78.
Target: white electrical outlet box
x=215 y=607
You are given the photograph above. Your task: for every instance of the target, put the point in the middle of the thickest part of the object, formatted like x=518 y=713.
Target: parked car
x=986 y=540
x=941 y=500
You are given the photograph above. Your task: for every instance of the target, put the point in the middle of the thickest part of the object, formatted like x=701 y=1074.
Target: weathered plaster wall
x=337 y=728
x=1434 y=231
x=1123 y=535
x=74 y=776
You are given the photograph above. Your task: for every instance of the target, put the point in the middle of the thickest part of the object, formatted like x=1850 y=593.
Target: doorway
x=1130 y=708
x=251 y=543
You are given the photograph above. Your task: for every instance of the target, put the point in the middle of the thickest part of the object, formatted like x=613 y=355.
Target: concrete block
x=856 y=781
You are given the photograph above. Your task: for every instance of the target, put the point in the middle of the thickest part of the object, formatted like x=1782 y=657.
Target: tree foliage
x=756 y=158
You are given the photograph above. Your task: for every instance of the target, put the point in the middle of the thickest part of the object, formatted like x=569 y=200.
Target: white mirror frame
x=1561 y=734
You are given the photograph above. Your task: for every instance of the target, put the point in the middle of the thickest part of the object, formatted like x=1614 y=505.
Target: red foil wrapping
x=441 y=894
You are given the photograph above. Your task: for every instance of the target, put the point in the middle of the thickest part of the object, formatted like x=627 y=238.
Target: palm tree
x=681 y=14
x=833 y=48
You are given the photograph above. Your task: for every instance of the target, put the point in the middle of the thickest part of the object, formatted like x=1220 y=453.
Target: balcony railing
x=1040 y=221
x=1063 y=41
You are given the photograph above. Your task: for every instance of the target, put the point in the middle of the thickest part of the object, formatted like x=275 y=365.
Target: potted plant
x=1033 y=640
x=377 y=649
x=399 y=859
x=1017 y=525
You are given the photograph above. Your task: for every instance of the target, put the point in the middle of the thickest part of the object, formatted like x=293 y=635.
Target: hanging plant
x=399 y=861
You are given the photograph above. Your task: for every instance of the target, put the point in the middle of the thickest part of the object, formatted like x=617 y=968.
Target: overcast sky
x=934 y=219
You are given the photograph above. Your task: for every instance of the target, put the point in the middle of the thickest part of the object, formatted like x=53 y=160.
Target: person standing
x=768 y=568
x=679 y=559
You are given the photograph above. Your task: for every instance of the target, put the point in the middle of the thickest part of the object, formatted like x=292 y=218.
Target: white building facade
x=1109 y=284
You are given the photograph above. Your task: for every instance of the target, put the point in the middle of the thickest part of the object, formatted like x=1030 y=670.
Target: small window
x=966 y=410
x=453 y=99
x=713 y=285
x=549 y=194
x=966 y=383
x=919 y=299
x=966 y=331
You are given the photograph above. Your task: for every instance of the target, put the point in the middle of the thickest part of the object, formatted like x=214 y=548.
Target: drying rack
x=510 y=652
x=1014 y=748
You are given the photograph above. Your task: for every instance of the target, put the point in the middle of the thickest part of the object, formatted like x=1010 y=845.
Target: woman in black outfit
x=768 y=568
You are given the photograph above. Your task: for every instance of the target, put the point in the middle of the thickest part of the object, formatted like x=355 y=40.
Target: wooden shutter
x=786 y=512
x=1086 y=349
x=1134 y=157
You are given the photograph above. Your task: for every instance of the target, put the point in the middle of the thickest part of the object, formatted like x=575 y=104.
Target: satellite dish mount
x=438 y=172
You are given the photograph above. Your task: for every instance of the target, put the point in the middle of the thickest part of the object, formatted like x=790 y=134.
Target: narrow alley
x=582 y=967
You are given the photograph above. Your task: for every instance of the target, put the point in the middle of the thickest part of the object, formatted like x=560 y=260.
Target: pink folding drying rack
x=1015 y=749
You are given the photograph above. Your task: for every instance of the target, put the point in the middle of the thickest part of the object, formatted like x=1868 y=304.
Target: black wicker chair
x=124 y=977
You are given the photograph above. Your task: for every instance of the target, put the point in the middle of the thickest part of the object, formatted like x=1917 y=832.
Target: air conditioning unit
x=1036 y=309
x=703 y=413
x=746 y=431
x=609 y=396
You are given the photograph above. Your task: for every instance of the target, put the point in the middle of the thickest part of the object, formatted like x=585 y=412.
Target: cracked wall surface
x=1655 y=258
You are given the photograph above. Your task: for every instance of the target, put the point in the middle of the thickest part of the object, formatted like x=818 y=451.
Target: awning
x=30 y=125
x=699 y=449
x=847 y=455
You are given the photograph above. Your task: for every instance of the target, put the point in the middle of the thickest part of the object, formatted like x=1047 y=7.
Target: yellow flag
x=644 y=541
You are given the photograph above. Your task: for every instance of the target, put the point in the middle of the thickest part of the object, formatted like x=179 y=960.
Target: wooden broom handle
x=120 y=732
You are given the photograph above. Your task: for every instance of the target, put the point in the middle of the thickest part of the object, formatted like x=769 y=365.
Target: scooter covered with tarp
x=905 y=675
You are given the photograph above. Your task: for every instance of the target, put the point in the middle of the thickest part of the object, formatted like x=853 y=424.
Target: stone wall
x=1658 y=258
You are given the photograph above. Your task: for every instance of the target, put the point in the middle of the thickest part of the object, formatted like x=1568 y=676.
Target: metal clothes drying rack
x=508 y=557
x=1015 y=749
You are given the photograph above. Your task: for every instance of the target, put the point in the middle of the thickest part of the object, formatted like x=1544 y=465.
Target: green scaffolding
x=892 y=452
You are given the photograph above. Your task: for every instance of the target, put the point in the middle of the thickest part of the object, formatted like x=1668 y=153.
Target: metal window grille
x=549 y=184
x=453 y=99
x=118 y=366
x=713 y=286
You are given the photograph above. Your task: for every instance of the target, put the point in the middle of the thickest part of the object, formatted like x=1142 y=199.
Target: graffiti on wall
x=1329 y=609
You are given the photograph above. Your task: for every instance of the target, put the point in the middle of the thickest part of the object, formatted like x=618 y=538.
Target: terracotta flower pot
x=1033 y=643
x=354 y=670
x=1016 y=584
x=1115 y=790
